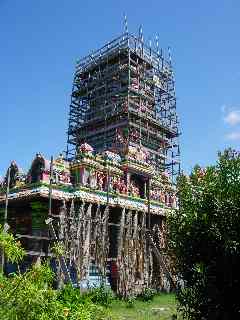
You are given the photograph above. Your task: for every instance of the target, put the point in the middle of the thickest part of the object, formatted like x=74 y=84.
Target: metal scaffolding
x=124 y=96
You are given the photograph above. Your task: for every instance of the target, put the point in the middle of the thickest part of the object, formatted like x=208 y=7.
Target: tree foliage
x=204 y=237
x=30 y=295
x=11 y=247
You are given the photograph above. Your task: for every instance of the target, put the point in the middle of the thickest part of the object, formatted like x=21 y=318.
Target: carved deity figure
x=100 y=180
x=123 y=187
x=133 y=189
x=85 y=148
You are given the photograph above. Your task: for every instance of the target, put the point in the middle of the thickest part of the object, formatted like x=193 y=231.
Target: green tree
x=204 y=238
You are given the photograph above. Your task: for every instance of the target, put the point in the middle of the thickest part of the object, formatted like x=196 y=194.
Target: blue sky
x=41 y=41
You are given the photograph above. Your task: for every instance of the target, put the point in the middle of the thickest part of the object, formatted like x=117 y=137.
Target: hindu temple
x=105 y=201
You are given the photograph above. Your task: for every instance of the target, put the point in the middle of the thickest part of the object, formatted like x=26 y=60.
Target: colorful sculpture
x=92 y=173
x=108 y=155
x=85 y=148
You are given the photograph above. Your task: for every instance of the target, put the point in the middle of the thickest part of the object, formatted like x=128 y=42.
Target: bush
x=147 y=294
x=71 y=297
x=30 y=295
x=87 y=311
x=101 y=295
x=130 y=302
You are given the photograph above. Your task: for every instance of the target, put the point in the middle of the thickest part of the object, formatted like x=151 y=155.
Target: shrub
x=130 y=302
x=147 y=294
x=30 y=295
x=70 y=296
x=101 y=295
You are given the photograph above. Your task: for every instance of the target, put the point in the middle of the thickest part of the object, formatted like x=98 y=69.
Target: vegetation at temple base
x=205 y=240
x=31 y=296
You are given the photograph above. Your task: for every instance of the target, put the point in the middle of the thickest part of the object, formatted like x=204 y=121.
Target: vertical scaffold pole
x=5 y=226
x=62 y=262
x=50 y=188
x=149 y=205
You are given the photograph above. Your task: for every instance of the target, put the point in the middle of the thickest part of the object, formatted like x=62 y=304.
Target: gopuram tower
x=123 y=99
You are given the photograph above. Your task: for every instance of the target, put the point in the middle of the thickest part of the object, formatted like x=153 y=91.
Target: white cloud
x=233 y=117
x=234 y=136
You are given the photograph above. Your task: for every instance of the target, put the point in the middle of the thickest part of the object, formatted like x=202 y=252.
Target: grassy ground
x=161 y=308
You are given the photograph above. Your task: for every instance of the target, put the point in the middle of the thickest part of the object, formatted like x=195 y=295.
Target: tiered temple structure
x=106 y=202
